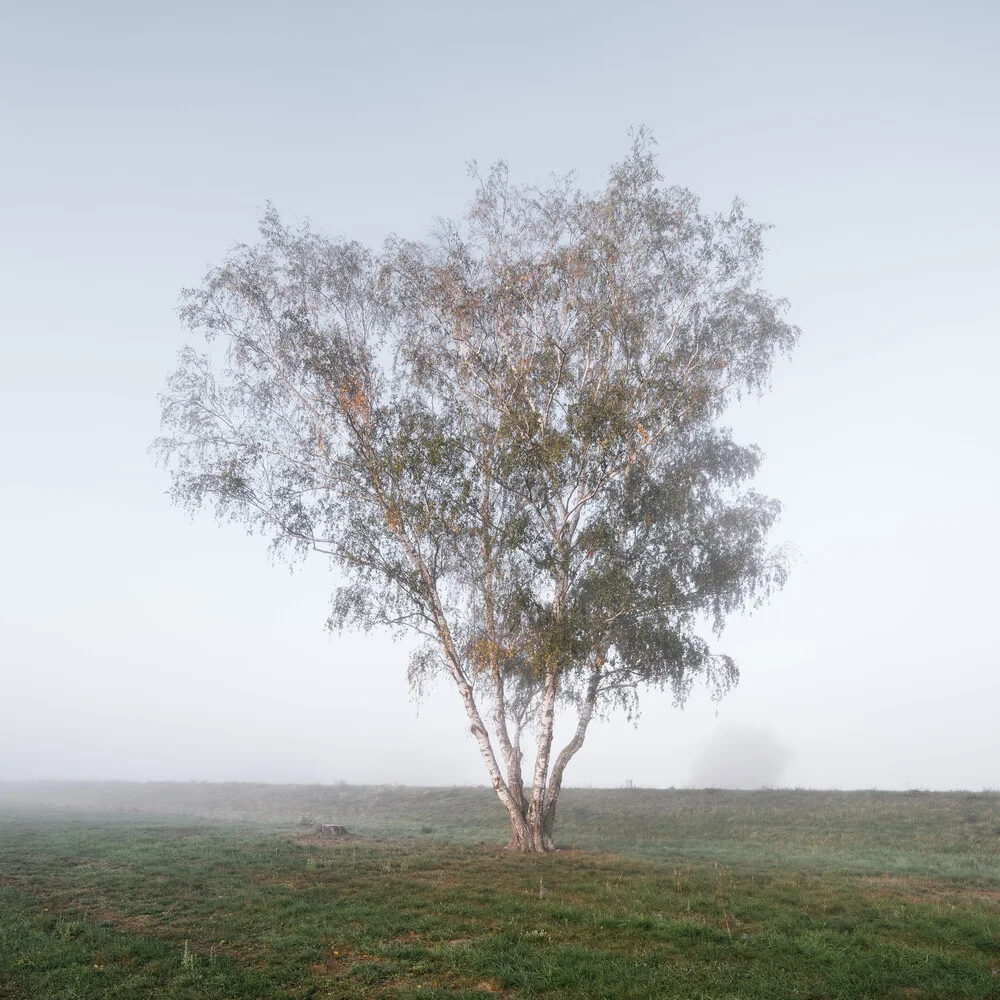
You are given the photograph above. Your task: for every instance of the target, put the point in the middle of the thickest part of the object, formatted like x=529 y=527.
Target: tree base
x=530 y=842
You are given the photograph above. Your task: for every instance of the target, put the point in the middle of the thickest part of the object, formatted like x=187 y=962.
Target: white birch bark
x=536 y=807
x=454 y=663
x=568 y=752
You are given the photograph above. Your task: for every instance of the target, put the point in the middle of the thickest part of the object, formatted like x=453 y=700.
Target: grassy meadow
x=223 y=891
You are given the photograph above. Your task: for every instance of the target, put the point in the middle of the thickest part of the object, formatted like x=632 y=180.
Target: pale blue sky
x=139 y=144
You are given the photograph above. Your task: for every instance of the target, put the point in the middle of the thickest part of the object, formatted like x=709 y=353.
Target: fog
x=740 y=756
x=140 y=144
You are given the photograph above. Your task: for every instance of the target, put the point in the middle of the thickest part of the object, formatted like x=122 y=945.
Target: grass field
x=197 y=890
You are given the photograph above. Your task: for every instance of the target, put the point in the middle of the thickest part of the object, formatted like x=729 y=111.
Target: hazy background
x=138 y=144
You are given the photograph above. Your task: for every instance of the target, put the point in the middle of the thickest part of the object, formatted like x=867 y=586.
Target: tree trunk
x=532 y=826
x=511 y=749
x=526 y=837
x=567 y=754
x=521 y=839
x=536 y=807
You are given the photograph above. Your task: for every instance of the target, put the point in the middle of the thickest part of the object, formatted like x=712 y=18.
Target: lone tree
x=506 y=439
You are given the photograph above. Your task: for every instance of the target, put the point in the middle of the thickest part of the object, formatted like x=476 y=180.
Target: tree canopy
x=507 y=438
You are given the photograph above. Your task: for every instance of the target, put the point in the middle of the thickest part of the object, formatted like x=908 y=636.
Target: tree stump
x=330 y=830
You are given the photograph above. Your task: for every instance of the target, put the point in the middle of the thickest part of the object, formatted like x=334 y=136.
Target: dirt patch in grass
x=19 y=882
x=487 y=986
x=308 y=838
x=911 y=889
x=341 y=957
x=293 y=881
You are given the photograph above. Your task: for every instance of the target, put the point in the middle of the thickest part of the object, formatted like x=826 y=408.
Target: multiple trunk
x=532 y=821
x=532 y=817
x=531 y=811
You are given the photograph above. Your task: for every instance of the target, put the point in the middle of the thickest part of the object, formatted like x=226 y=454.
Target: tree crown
x=507 y=437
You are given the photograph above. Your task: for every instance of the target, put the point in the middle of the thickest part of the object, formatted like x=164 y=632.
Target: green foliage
x=506 y=439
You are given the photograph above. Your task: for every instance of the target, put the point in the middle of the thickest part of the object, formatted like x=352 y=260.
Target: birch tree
x=506 y=439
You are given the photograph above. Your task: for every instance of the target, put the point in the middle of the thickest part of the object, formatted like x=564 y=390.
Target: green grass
x=209 y=891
